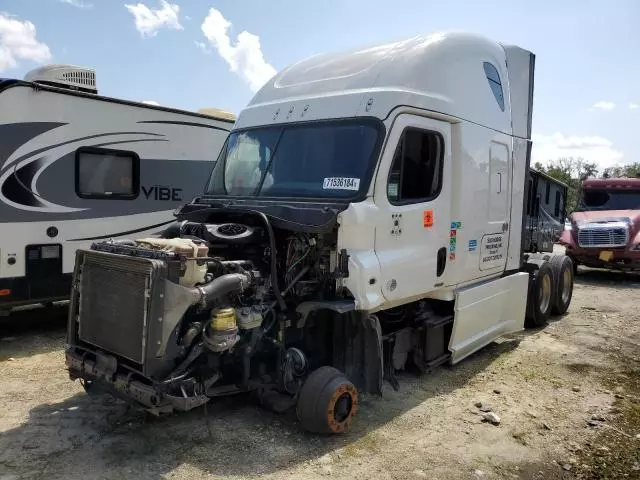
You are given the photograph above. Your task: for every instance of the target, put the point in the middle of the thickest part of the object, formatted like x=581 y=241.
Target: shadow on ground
x=24 y=333
x=233 y=437
x=608 y=278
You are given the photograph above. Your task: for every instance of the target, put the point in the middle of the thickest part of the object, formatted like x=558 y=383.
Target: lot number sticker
x=341 y=183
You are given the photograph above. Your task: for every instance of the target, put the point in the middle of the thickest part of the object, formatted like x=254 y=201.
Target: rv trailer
x=544 y=211
x=77 y=167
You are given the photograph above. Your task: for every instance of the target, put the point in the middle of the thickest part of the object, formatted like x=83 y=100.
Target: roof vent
x=65 y=76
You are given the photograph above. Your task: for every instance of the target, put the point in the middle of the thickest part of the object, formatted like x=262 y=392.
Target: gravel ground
x=567 y=397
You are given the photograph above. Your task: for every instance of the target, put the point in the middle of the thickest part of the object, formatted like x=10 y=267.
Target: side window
x=102 y=173
x=547 y=193
x=556 y=209
x=416 y=172
x=493 y=78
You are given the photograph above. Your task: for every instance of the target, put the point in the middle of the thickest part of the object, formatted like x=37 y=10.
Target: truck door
x=493 y=245
x=412 y=191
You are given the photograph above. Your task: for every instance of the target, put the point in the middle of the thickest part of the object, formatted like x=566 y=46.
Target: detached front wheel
x=328 y=401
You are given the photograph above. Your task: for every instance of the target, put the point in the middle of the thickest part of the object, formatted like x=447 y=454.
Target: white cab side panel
x=357 y=236
x=485 y=312
x=478 y=209
x=520 y=168
x=521 y=67
x=406 y=246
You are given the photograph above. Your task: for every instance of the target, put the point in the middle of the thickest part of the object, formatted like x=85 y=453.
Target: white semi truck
x=365 y=215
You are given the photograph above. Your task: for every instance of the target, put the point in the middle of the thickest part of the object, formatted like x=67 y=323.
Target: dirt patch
x=547 y=387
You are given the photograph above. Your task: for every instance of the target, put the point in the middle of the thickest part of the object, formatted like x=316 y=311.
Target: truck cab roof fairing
x=440 y=72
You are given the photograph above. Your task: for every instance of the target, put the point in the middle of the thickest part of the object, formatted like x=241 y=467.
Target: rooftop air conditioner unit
x=70 y=77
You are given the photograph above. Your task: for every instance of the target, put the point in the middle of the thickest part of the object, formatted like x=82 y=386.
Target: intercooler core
x=116 y=302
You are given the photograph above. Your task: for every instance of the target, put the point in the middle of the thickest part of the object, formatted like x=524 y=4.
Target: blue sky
x=178 y=52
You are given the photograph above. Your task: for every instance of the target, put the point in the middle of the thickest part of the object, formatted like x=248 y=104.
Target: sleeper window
x=106 y=174
x=416 y=172
x=493 y=77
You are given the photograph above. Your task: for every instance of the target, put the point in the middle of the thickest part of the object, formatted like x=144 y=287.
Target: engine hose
x=172 y=231
x=223 y=285
x=274 y=268
x=302 y=273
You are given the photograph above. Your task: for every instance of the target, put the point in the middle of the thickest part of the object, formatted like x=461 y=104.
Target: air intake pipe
x=210 y=292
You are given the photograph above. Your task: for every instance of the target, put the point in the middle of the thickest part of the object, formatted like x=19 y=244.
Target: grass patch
x=369 y=443
x=615 y=451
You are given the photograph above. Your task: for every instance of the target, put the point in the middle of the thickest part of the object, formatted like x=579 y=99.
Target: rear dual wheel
x=564 y=273
x=540 y=296
x=328 y=401
x=550 y=289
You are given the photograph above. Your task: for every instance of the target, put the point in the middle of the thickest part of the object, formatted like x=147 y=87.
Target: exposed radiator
x=116 y=303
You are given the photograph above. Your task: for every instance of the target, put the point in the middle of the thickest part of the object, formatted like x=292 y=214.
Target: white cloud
x=203 y=47
x=18 y=41
x=591 y=148
x=633 y=106
x=603 y=105
x=245 y=58
x=77 y=3
x=151 y=102
x=149 y=20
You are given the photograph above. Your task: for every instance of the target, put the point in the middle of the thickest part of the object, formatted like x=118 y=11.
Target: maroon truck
x=604 y=230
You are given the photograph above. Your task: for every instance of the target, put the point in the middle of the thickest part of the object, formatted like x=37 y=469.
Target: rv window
x=416 y=172
x=529 y=197
x=106 y=174
x=556 y=207
x=547 y=193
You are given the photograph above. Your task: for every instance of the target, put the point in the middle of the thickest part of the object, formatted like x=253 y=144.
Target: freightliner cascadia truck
x=366 y=215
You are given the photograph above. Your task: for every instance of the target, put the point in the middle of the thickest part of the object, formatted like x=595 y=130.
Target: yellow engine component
x=224 y=319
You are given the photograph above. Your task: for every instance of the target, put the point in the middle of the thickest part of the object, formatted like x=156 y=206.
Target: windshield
x=332 y=159
x=610 y=200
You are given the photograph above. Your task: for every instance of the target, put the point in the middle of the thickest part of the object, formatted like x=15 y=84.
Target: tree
x=632 y=170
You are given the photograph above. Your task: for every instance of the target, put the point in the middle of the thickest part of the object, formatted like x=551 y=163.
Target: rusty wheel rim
x=342 y=408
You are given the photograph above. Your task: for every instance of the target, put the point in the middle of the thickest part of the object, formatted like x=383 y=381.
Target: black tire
x=328 y=401
x=563 y=269
x=542 y=283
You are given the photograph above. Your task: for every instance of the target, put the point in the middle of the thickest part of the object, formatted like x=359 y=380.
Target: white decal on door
x=492 y=251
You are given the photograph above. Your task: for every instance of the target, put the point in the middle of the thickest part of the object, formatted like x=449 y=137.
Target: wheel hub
x=545 y=293
x=342 y=408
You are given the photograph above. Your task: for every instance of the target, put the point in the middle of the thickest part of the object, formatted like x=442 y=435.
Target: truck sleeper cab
x=364 y=216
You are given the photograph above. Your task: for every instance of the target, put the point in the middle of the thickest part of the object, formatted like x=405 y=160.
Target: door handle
x=442 y=261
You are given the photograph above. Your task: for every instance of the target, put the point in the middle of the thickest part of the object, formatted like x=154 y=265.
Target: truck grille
x=603 y=236
x=114 y=304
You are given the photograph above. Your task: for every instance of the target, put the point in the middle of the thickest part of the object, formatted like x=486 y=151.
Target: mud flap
x=357 y=350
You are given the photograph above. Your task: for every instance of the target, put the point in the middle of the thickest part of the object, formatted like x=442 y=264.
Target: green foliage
x=632 y=170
